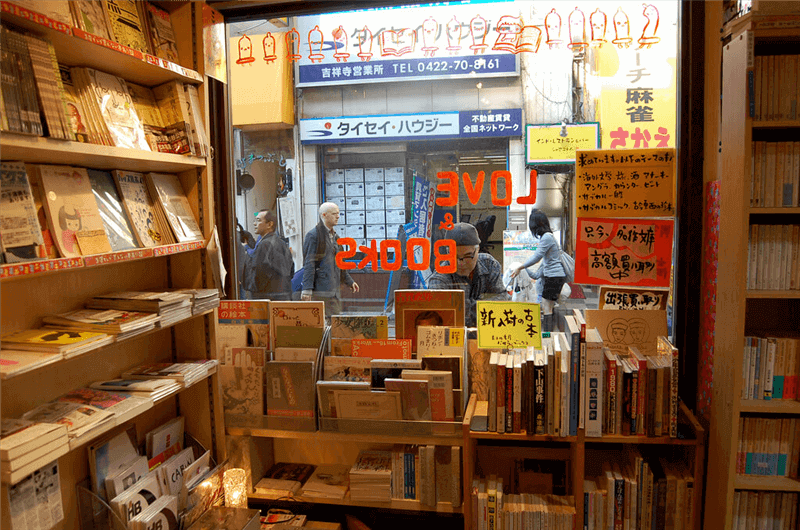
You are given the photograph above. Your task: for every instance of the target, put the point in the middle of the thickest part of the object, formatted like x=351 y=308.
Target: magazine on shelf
x=20 y=233
x=17 y=362
x=115 y=219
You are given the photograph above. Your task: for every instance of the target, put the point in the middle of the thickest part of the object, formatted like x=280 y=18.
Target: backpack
x=568 y=263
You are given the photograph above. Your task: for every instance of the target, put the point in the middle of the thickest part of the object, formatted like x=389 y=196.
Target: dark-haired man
x=269 y=267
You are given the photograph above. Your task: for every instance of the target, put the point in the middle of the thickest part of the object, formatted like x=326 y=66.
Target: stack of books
x=170 y=306
x=371 y=477
x=329 y=481
x=26 y=446
x=187 y=373
x=202 y=299
x=83 y=421
x=122 y=406
x=122 y=324
x=67 y=342
x=152 y=389
x=17 y=362
x=284 y=479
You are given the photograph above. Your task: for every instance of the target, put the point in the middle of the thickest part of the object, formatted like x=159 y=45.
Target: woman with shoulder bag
x=552 y=271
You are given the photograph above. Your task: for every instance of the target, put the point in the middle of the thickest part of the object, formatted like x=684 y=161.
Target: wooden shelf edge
x=776 y=406
x=328 y=436
x=760 y=293
x=746 y=482
x=111 y=345
x=97 y=52
x=42 y=150
x=775 y=124
x=394 y=504
x=27 y=269
x=774 y=210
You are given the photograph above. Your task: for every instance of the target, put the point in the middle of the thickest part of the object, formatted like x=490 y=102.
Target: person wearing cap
x=551 y=273
x=269 y=266
x=322 y=278
x=479 y=275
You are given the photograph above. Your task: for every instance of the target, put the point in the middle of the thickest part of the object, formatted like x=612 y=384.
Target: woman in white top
x=551 y=271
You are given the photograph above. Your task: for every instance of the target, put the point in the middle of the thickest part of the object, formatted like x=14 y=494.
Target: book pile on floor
x=371 y=477
x=26 y=446
x=170 y=306
x=187 y=373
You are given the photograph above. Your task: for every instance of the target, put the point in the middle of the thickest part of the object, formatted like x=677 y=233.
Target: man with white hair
x=322 y=278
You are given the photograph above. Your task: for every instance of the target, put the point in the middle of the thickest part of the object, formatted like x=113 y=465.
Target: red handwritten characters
x=622 y=29
x=577 y=31
x=398 y=42
x=365 y=44
x=340 y=44
x=453 y=30
x=245 y=50
x=648 y=37
x=478 y=29
x=598 y=21
x=429 y=30
x=315 y=41
x=269 y=47
x=292 y=44
x=552 y=25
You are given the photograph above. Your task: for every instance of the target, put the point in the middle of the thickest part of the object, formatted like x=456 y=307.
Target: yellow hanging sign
x=557 y=144
x=508 y=325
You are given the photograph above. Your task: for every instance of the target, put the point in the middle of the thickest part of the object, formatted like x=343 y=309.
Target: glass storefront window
x=382 y=102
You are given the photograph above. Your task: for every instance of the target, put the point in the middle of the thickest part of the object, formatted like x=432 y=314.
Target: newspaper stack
x=371 y=477
x=26 y=446
x=187 y=373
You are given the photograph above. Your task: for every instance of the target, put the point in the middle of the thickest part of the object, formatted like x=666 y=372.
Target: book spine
x=634 y=400
x=626 y=403
x=492 y=397
x=539 y=405
x=582 y=381
x=769 y=369
x=509 y=399
x=517 y=419
x=501 y=397
x=643 y=397
x=574 y=388
x=455 y=472
x=612 y=397
x=594 y=399
x=619 y=503
x=673 y=394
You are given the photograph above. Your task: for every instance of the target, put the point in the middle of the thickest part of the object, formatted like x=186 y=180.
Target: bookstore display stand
x=741 y=311
x=32 y=290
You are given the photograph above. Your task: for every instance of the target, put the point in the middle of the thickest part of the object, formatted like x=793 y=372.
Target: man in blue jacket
x=269 y=266
x=322 y=278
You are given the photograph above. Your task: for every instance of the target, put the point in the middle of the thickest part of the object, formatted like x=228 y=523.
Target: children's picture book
x=114 y=105
x=245 y=356
x=290 y=389
x=242 y=389
x=382 y=348
x=90 y=16
x=309 y=314
x=346 y=369
x=140 y=208
x=20 y=233
x=162 y=35
x=413 y=397
x=420 y=307
x=125 y=25
x=621 y=328
x=243 y=324
x=175 y=206
x=115 y=218
x=72 y=212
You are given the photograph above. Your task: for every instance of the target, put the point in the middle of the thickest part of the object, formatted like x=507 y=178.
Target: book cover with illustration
x=20 y=233
x=243 y=324
x=309 y=314
x=140 y=208
x=72 y=213
x=175 y=205
x=124 y=24
x=382 y=348
x=242 y=389
x=422 y=307
x=346 y=369
x=115 y=218
x=290 y=389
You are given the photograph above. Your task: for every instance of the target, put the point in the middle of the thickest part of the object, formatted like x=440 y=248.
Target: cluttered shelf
x=77 y=47
x=11 y=271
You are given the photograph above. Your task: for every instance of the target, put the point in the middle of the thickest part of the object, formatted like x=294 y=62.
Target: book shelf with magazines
x=754 y=433
x=162 y=311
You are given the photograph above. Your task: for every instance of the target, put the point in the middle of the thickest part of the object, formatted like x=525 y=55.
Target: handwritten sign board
x=620 y=329
x=508 y=325
x=634 y=299
x=545 y=145
x=635 y=252
x=625 y=183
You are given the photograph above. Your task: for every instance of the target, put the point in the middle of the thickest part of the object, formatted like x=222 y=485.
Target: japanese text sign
x=508 y=325
x=625 y=183
x=635 y=252
x=630 y=298
x=544 y=144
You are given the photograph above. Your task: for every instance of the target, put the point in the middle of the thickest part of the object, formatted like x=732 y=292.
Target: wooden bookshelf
x=746 y=482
